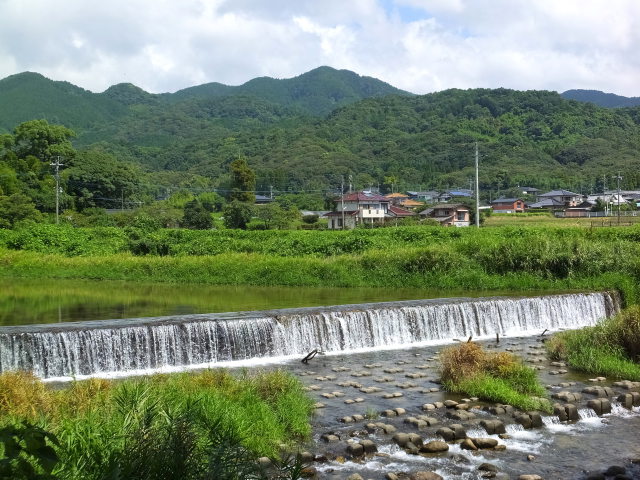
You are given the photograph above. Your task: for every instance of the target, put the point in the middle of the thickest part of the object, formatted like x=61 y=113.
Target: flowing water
x=198 y=341
x=365 y=345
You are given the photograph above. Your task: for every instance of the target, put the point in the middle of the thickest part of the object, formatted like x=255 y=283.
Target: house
x=263 y=200
x=529 y=190
x=410 y=203
x=581 y=210
x=546 y=203
x=448 y=214
x=361 y=208
x=565 y=197
x=397 y=198
x=508 y=205
x=357 y=208
x=426 y=197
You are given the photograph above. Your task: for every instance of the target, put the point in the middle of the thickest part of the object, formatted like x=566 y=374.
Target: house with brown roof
x=449 y=214
x=508 y=205
x=361 y=208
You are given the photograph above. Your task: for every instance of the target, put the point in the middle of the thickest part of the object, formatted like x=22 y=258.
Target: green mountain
x=609 y=100
x=28 y=95
x=305 y=133
x=317 y=92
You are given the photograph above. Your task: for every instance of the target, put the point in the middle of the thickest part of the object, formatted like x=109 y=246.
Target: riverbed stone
x=467 y=444
x=347 y=419
x=401 y=439
x=572 y=411
x=569 y=397
x=355 y=449
x=629 y=400
x=424 y=475
x=450 y=403
x=330 y=438
x=493 y=427
x=389 y=429
x=600 y=405
x=428 y=407
x=434 y=446
x=600 y=392
x=488 y=467
x=369 y=446
x=416 y=439
x=485 y=443
x=530 y=477
x=461 y=415
x=355 y=476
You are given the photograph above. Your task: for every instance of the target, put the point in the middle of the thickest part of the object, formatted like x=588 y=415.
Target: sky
x=417 y=45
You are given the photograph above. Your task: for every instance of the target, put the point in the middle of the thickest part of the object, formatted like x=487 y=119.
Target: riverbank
x=520 y=259
x=211 y=424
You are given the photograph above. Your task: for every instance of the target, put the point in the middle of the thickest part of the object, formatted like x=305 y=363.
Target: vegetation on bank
x=192 y=426
x=424 y=257
x=499 y=377
x=611 y=348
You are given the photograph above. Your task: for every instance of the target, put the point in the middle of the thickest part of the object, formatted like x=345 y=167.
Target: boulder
x=488 y=467
x=425 y=476
x=434 y=446
x=401 y=439
x=485 y=443
x=493 y=427
x=467 y=444
x=446 y=433
x=415 y=439
x=458 y=430
x=572 y=411
x=369 y=446
x=355 y=476
x=355 y=449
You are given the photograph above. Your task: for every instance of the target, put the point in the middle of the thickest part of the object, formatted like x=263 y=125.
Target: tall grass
x=611 y=348
x=206 y=425
x=497 y=377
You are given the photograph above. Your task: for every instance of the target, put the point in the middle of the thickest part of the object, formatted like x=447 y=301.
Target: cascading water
x=103 y=347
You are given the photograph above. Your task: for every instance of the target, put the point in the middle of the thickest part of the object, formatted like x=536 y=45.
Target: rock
x=560 y=412
x=309 y=472
x=355 y=449
x=467 y=444
x=415 y=439
x=355 y=476
x=600 y=405
x=425 y=476
x=614 y=470
x=389 y=429
x=400 y=411
x=358 y=418
x=401 y=439
x=346 y=420
x=306 y=457
x=530 y=477
x=536 y=419
x=369 y=446
x=330 y=438
x=572 y=412
x=485 y=443
x=371 y=427
x=264 y=462
x=391 y=476
x=434 y=446
x=595 y=476
x=450 y=403
x=461 y=415
x=626 y=400
x=458 y=430
x=446 y=433
x=493 y=427
x=524 y=420
x=531 y=458
x=389 y=413
x=488 y=467
x=428 y=406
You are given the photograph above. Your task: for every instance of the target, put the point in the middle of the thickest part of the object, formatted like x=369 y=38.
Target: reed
x=185 y=425
x=611 y=348
x=497 y=377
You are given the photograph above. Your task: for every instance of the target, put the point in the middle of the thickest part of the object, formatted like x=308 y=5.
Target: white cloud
x=418 y=45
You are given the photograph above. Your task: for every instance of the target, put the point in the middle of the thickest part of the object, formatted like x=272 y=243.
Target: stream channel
x=380 y=357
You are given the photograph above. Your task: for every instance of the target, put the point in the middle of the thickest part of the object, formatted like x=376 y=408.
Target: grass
x=611 y=348
x=177 y=423
x=497 y=377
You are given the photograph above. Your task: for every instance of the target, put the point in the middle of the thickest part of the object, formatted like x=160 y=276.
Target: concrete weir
x=153 y=344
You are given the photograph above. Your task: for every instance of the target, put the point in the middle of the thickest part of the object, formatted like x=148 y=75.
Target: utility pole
x=618 y=178
x=57 y=166
x=271 y=191
x=342 y=200
x=477 y=191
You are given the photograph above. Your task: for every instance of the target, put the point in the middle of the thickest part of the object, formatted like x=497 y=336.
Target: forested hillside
x=602 y=99
x=282 y=128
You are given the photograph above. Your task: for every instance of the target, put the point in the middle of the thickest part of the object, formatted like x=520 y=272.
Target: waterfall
x=148 y=344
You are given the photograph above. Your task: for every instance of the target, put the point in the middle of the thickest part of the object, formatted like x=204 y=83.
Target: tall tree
x=42 y=140
x=243 y=181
